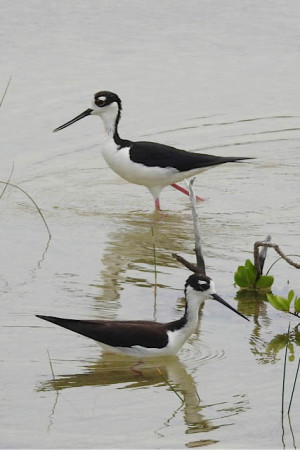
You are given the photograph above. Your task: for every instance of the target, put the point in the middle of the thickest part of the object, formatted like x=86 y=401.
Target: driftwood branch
x=192 y=267
x=262 y=257
x=258 y=244
x=198 y=268
x=198 y=250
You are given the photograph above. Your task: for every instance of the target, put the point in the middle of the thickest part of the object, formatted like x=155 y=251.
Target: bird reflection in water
x=135 y=241
x=115 y=370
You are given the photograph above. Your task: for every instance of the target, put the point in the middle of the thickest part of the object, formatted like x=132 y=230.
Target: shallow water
x=204 y=76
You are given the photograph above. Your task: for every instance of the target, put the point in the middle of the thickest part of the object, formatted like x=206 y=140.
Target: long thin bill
x=81 y=116
x=220 y=300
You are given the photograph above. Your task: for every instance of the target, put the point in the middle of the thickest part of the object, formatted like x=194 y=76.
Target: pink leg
x=157 y=205
x=186 y=192
x=135 y=369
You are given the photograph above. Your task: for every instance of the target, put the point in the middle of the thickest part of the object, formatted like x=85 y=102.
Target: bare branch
x=198 y=268
x=276 y=248
x=187 y=264
x=198 y=250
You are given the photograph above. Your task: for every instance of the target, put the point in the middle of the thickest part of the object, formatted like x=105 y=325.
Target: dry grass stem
x=31 y=199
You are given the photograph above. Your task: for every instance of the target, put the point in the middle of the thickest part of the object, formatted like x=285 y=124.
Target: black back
x=117 y=333
x=153 y=154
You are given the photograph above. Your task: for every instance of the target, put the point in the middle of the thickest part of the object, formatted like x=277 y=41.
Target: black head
x=105 y=98
x=198 y=282
x=104 y=102
x=205 y=289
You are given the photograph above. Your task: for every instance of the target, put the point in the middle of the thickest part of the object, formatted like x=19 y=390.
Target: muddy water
x=207 y=77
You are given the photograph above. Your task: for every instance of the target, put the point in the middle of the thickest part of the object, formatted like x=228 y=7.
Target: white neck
x=109 y=116
x=178 y=337
x=194 y=300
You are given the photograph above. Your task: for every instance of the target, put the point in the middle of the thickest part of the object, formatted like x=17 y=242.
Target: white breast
x=119 y=161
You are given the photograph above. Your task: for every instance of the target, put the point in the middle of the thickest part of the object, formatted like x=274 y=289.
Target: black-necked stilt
x=148 y=338
x=146 y=163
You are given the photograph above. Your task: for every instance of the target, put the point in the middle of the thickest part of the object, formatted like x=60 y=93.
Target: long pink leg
x=186 y=192
x=157 y=205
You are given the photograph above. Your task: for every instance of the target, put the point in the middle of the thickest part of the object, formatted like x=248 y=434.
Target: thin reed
x=169 y=384
x=284 y=370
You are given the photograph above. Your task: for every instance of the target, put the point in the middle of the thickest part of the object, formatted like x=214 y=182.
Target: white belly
x=137 y=351
x=119 y=162
x=176 y=339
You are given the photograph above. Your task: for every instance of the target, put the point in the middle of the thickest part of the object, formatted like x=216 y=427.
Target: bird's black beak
x=85 y=113
x=220 y=300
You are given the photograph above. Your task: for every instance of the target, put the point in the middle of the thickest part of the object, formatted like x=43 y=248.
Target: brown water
x=208 y=76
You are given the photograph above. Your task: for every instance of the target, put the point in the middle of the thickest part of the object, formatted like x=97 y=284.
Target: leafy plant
x=247 y=277
x=283 y=304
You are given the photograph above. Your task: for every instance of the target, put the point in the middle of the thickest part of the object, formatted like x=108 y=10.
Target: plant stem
x=294 y=387
x=276 y=261
x=9 y=178
x=51 y=367
x=35 y=204
x=284 y=370
x=5 y=92
x=169 y=384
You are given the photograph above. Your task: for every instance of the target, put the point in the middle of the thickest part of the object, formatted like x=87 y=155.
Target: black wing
x=159 y=155
x=116 y=333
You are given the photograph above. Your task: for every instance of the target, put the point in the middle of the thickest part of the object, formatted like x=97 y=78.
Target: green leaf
x=251 y=271
x=289 y=299
x=246 y=277
x=284 y=302
x=249 y=264
x=291 y=295
x=240 y=277
x=265 y=282
x=297 y=305
x=278 y=302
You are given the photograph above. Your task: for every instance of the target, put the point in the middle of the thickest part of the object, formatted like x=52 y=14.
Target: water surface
x=206 y=76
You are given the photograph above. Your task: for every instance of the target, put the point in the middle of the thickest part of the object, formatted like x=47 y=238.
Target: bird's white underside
x=154 y=178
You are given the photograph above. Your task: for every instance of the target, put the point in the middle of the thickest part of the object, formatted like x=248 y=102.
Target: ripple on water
x=199 y=352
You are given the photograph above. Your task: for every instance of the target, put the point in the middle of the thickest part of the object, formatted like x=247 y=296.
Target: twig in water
x=24 y=192
x=169 y=384
x=262 y=257
x=5 y=92
x=198 y=250
x=284 y=370
x=200 y=267
x=192 y=267
x=276 y=248
x=294 y=385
